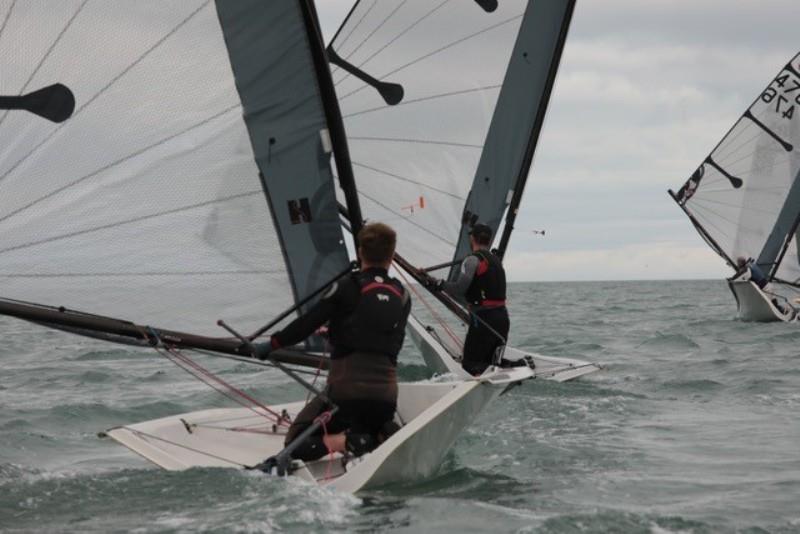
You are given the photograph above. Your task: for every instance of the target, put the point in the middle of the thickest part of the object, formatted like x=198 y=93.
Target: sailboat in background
x=744 y=200
x=182 y=174
x=442 y=122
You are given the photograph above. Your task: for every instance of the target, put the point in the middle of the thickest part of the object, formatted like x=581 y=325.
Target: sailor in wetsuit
x=482 y=283
x=366 y=315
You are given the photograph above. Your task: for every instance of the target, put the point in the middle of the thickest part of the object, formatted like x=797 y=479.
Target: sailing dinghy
x=442 y=136
x=744 y=200
x=169 y=163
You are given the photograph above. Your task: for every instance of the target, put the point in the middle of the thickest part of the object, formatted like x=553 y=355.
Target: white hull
x=432 y=414
x=443 y=359
x=755 y=305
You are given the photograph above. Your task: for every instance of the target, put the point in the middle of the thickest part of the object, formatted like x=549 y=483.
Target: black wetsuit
x=366 y=315
x=482 y=283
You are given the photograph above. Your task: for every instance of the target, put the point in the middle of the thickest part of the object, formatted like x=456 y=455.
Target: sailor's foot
x=268 y=466
x=360 y=444
x=522 y=362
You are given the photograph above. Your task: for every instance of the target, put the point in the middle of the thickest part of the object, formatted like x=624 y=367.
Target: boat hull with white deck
x=757 y=306
x=443 y=358
x=432 y=416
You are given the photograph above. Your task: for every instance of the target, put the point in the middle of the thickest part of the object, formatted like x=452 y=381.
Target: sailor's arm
x=308 y=323
x=459 y=286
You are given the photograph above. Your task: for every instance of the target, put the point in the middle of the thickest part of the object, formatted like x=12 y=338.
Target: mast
x=517 y=121
x=333 y=114
x=785 y=226
x=536 y=129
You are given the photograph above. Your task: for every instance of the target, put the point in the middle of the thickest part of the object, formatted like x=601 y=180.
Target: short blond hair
x=376 y=242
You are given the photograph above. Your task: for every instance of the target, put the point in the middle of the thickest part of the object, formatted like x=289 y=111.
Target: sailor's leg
x=368 y=418
x=483 y=340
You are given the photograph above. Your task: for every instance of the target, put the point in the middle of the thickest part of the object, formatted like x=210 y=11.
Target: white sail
x=744 y=198
x=415 y=160
x=147 y=203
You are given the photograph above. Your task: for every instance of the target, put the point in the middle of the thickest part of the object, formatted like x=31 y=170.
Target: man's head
x=480 y=236
x=376 y=242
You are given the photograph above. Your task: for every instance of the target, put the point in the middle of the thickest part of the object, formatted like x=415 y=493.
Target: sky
x=645 y=90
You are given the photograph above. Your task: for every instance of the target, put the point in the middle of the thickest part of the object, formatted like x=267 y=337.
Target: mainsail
x=744 y=198
x=443 y=102
x=192 y=181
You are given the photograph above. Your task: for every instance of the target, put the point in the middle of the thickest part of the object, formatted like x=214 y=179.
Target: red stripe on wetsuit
x=376 y=285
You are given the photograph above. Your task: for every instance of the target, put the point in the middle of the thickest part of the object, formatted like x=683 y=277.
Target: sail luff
x=517 y=121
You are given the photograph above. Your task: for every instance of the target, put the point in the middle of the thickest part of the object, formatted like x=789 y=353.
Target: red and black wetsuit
x=482 y=283
x=366 y=315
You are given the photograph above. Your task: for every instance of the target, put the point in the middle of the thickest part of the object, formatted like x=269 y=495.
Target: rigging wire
x=368 y=37
x=357 y=24
x=210 y=379
x=419 y=141
x=47 y=54
x=738 y=206
x=411 y=221
x=705 y=217
x=459 y=343
x=409 y=180
x=716 y=213
x=424 y=99
x=7 y=17
x=431 y=54
x=128 y=221
x=114 y=163
x=140 y=433
x=393 y=40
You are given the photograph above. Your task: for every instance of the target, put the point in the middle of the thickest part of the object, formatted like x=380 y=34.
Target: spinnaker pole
x=69 y=319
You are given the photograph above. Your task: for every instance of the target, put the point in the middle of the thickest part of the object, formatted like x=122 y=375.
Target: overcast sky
x=646 y=89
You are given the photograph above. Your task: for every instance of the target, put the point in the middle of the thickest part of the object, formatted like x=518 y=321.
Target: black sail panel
x=517 y=121
x=286 y=120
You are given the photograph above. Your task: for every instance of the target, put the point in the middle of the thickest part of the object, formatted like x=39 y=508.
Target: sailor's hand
x=434 y=284
x=262 y=350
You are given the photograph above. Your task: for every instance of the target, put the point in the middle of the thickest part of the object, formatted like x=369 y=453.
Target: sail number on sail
x=786 y=94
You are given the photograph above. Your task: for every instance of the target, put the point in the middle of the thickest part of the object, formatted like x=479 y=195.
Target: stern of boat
x=755 y=305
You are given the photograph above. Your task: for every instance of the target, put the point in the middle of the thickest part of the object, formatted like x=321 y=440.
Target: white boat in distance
x=744 y=200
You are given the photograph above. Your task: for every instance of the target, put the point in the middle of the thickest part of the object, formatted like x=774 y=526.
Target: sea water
x=694 y=426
